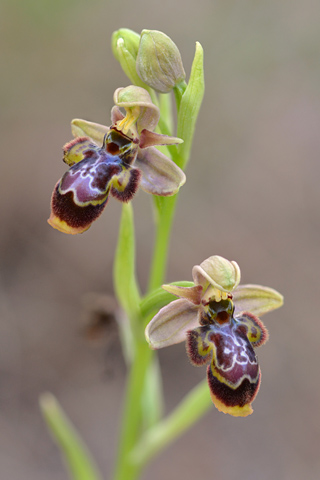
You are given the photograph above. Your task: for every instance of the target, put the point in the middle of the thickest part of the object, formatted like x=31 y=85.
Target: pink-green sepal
x=94 y=131
x=160 y=175
x=171 y=324
x=256 y=299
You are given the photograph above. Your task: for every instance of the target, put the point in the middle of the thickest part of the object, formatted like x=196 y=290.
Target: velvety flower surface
x=217 y=319
x=113 y=160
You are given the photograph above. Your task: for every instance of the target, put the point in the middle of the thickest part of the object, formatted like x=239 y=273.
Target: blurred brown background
x=252 y=195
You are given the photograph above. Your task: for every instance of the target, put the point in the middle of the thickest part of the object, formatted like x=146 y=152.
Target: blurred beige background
x=252 y=195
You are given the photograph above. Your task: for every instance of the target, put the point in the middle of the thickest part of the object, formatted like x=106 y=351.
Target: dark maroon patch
x=230 y=397
x=75 y=216
x=192 y=346
x=132 y=186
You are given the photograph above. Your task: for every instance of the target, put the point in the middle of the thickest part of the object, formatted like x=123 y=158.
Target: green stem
x=132 y=416
x=165 y=215
x=191 y=408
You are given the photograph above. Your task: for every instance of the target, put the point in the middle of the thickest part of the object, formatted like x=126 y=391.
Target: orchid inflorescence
x=215 y=315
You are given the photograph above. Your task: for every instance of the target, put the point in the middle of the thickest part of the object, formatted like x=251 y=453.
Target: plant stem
x=132 y=415
x=165 y=212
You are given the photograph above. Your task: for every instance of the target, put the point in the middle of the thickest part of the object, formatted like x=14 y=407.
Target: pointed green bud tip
x=127 y=40
x=159 y=62
x=125 y=45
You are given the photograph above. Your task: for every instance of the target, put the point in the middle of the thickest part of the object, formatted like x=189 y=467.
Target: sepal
x=217 y=272
x=138 y=103
x=95 y=131
x=256 y=299
x=161 y=176
x=171 y=324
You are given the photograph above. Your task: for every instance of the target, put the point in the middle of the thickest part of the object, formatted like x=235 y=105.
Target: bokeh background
x=252 y=195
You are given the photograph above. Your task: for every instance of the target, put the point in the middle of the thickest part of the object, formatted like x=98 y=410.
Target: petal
x=132 y=97
x=95 y=131
x=218 y=272
x=82 y=193
x=256 y=299
x=149 y=139
x=160 y=175
x=235 y=402
x=90 y=180
x=234 y=374
x=68 y=217
x=171 y=324
x=116 y=115
x=77 y=150
x=253 y=328
x=125 y=185
x=193 y=294
x=199 y=350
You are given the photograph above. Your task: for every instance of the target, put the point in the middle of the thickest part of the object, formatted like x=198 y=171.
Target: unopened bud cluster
x=151 y=59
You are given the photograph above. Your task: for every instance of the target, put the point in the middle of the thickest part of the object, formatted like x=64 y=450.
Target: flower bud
x=125 y=45
x=159 y=62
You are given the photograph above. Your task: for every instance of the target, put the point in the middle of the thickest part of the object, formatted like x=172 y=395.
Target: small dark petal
x=69 y=217
x=78 y=149
x=235 y=401
x=253 y=328
x=198 y=350
x=126 y=184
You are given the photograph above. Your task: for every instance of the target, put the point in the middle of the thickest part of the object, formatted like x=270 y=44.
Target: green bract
x=125 y=45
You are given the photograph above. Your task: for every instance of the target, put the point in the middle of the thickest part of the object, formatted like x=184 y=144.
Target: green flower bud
x=125 y=45
x=159 y=62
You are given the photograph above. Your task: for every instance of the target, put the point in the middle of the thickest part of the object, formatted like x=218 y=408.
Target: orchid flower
x=116 y=159
x=217 y=318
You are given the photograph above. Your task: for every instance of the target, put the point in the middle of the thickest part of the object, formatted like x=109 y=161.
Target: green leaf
x=190 y=105
x=75 y=453
x=191 y=408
